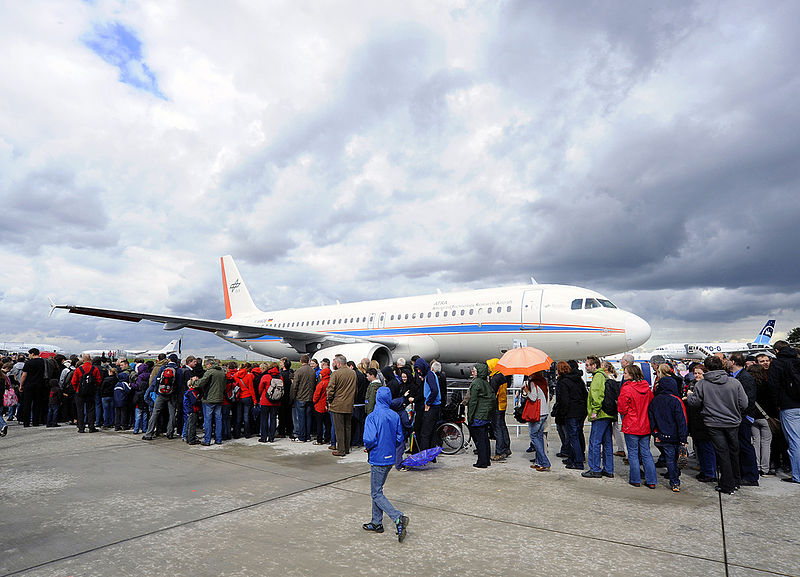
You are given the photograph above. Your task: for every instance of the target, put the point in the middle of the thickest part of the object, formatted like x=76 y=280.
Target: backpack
x=234 y=393
x=275 y=390
x=86 y=383
x=609 y=404
x=165 y=382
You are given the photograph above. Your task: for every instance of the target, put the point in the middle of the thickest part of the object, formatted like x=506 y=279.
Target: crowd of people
x=741 y=414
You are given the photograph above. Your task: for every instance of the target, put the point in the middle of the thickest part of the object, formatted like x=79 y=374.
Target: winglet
x=237 y=298
x=53 y=306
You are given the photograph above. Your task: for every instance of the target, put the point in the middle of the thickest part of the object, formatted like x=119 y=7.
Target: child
x=53 y=403
x=191 y=408
x=122 y=391
x=139 y=411
x=668 y=423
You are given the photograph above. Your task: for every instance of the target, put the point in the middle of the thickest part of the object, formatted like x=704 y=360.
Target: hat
x=174 y=358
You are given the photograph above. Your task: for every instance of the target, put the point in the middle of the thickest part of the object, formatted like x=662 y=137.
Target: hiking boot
x=372 y=527
x=402 y=523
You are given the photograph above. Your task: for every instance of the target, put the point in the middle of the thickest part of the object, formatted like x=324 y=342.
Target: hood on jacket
x=387 y=373
x=325 y=373
x=383 y=397
x=667 y=386
x=717 y=377
x=641 y=387
x=422 y=365
x=492 y=363
x=142 y=368
x=482 y=370
x=787 y=352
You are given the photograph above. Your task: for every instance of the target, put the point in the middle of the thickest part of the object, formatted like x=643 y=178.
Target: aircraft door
x=382 y=320
x=532 y=309
x=371 y=321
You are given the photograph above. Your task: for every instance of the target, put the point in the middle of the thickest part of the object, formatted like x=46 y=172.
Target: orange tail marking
x=228 y=312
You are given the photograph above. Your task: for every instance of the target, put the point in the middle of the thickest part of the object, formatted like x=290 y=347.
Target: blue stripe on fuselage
x=485 y=328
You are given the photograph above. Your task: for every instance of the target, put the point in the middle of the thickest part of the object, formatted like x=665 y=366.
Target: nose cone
x=637 y=331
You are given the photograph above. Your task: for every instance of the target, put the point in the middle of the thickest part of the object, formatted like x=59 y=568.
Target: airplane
x=699 y=351
x=174 y=346
x=565 y=321
x=18 y=347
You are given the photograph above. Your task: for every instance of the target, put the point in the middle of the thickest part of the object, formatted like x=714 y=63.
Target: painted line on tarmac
x=724 y=562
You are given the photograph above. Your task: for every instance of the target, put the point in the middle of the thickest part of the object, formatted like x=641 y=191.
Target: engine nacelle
x=357 y=351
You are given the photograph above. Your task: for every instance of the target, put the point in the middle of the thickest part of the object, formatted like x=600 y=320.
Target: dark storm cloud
x=49 y=207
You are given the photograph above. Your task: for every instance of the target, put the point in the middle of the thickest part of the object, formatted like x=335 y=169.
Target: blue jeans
x=140 y=420
x=380 y=504
x=269 y=421
x=639 y=454
x=226 y=422
x=748 y=463
x=52 y=415
x=706 y=458
x=2 y=420
x=302 y=422
x=12 y=412
x=108 y=411
x=98 y=410
x=502 y=443
x=601 y=448
x=536 y=432
x=790 y=421
x=333 y=429
x=212 y=410
x=246 y=408
x=575 y=430
x=671 y=457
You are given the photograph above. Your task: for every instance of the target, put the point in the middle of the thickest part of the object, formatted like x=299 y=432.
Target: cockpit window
x=577 y=304
x=607 y=303
x=591 y=304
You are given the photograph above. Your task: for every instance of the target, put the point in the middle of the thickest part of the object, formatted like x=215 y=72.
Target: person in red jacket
x=269 y=408
x=321 y=418
x=243 y=410
x=84 y=392
x=634 y=400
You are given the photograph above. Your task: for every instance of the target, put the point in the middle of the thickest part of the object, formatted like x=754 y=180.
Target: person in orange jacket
x=321 y=418
x=243 y=410
x=269 y=407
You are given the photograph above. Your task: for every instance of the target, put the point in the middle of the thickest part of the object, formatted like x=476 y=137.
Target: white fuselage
x=699 y=351
x=465 y=326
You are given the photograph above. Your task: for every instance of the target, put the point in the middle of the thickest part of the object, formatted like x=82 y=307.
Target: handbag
x=774 y=424
x=532 y=411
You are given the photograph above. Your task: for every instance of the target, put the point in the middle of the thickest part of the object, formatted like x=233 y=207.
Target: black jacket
x=571 y=395
x=749 y=385
x=780 y=376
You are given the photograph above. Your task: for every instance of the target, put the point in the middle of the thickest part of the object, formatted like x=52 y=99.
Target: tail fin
x=171 y=347
x=765 y=335
x=237 y=298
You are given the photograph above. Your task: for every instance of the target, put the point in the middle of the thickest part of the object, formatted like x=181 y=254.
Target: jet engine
x=357 y=351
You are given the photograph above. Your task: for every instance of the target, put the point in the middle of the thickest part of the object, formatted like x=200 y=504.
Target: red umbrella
x=523 y=361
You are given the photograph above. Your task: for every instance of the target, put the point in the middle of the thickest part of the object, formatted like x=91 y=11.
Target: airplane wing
x=224 y=328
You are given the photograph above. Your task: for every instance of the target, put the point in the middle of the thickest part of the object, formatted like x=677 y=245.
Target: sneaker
x=4 y=431
x=788 y=480
x=561 y=455
x=592 y=474
x=531 y=450
x=609 y=475
x=634 y=484
x=205 y=444
x=619 y=453
x=650 y=485
x=498 y=457
x=146 y=438
x=540 y=468
x=402 y=523
x=676 y=489
x=372 y=527
x=93 y=430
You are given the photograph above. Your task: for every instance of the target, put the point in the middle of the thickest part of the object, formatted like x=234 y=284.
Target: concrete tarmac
x=110 y=504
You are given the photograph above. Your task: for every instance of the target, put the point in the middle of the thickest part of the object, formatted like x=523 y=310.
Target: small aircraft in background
x=174 y=346
x=18 y=347
x=700 y=350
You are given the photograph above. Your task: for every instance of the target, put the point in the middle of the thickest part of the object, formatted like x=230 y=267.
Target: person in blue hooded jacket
x=383 y=432
x=668 y=422
x=433 y=402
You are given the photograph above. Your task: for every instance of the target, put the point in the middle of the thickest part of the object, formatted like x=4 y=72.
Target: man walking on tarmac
x=383 y=434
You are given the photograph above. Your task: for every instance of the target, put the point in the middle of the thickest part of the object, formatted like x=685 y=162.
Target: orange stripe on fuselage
x=228 y=313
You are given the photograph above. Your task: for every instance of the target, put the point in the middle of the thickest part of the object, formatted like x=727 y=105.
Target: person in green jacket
x=601 y=448
x=212 y=387
x=479 y=411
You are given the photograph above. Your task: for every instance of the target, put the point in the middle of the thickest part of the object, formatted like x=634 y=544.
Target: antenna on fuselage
x=533 y=281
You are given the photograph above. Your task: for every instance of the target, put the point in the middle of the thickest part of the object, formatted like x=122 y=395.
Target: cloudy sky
x=356 y=150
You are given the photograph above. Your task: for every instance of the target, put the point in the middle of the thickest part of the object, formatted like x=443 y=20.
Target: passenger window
x=406 y=316
x=471 y=311
x=462 y=312
x=489 y=310
x=591 y=304
x=414 y=316
x=444 y=314
x=437 y=314
x=577 y=304
x=508 y=309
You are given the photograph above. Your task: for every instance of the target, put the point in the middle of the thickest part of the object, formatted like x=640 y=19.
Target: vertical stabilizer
x=237 y=298
x=765 y=335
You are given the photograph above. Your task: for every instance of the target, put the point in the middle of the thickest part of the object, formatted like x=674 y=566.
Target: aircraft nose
x=637 y=331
